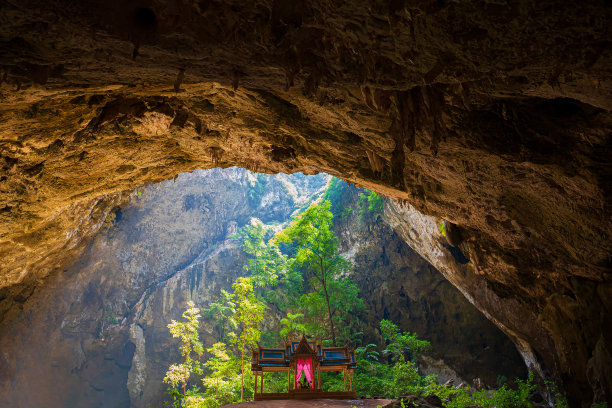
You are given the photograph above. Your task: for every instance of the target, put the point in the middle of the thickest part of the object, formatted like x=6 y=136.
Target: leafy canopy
x=248 y=315
x=190 y=347
x=220 y=312
x=315 y=249
x=292 y=326
x=267 y=264
x=401 y=346
x=370 y=203
x=221 y=383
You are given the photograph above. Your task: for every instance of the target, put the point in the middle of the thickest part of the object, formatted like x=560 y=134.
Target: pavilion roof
x=282 y=357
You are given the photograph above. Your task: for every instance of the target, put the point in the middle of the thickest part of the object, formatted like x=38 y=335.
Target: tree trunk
x=242 y=374
x=324 y=283
x=331 y=321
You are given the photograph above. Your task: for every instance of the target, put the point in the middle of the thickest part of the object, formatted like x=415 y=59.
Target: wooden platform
x=313 y=403
x=305 y=395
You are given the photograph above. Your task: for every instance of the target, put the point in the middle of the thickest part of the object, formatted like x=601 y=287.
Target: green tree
x=370 y=202
x=367 y=353
x=292 y=326
x=316 y=252
x=401 y=346
x=247 y=317
x=222 y=381
x=267 y=264
x=273 y=281
x=220 y=312
x=191 y=349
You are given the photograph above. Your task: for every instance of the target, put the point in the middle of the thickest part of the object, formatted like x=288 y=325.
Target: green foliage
x=391 y=380
x=256 y=190
x=267 y=267
x=338 y=194
x=226 y=375
x=367 y=353
x=248 y=315
x=222 y=383
x=503 y=397
x=373 y=378
x=220 y=312
x=267 y=264
x=559 y=400
x=315 y=250
x=335 y=191
x=406 y=379
x=176 y=397
x=292 y=326
x=375 y=204
x=190 y=347
x=442 y=228
x=275 y=382
x=401 y=346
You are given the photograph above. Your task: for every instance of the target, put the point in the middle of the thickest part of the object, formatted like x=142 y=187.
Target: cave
x=103 y=320
x=492 y=116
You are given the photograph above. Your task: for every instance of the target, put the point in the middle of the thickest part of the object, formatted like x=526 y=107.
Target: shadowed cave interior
x=493 y=116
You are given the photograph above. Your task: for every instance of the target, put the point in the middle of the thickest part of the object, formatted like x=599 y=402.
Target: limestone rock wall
x=400 y=285
x=96 y=333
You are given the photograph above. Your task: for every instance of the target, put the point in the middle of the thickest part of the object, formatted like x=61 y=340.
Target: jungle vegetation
x=298 y=274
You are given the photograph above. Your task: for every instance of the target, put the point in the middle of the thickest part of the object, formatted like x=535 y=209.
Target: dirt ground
x=318 y=403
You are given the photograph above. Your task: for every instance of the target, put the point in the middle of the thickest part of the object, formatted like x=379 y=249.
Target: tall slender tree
x=221 y=381
x=247 y=317
x=317 y=254
x=191 y=349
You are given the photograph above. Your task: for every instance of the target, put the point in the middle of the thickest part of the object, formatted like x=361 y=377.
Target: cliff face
x=103 y=321
x=85 y=318
x=494 y=116
x=399 y=284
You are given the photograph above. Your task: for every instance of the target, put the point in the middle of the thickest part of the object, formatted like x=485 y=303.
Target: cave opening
x=477 y=244
x=103 y=320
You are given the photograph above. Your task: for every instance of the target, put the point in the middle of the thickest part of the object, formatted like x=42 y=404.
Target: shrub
x=375 y=204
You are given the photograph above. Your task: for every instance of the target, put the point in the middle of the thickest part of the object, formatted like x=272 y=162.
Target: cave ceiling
x=492 y=115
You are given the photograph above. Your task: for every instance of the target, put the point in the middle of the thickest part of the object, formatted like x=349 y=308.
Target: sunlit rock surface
x=494 y=116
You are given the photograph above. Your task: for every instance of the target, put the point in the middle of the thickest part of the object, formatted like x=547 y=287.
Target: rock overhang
x=494 y=117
